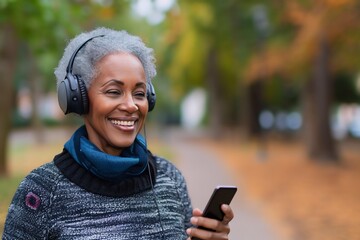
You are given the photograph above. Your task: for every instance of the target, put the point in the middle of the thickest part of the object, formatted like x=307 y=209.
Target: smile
x=123 y=123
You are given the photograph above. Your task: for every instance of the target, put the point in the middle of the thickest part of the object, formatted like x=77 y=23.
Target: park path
x=203 y=171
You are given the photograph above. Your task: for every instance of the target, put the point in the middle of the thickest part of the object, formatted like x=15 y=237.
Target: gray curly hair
x=112 y=41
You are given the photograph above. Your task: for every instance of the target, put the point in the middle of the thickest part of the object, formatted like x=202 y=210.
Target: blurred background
x=271 y=87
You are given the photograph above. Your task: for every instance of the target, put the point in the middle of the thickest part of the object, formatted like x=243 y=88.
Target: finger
x=211 y=224
x=197 y=212
x=229 y=215
x=205 y=234
x=200 y=233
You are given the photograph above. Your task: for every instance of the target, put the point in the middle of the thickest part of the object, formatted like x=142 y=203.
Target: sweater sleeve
x=27 y=214
x=174 y=173
x=184 y=196
x=183 y=192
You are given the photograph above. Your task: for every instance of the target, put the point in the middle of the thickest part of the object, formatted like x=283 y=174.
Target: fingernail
x=194 y=220
x=225 y=206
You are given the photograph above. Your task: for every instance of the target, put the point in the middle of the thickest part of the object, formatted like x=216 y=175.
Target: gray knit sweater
x=51 y=205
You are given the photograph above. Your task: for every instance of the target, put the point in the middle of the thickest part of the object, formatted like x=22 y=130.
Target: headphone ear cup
x=72 y=95
x=84 y=97
x=151 y=97
x=64 y=95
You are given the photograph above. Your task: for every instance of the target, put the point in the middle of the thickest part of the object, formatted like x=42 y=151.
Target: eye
x=113 y=92
x=140 y=94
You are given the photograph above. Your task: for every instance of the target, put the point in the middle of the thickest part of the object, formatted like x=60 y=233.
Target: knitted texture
x=49 y=206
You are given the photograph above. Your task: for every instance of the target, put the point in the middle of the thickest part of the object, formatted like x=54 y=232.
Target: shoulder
x=170 y=180
x=39 y=183
x=165 y=166
x=168 y=170
x=47 y=170
x=31 y=203
x=44 y=176
x=37 y=188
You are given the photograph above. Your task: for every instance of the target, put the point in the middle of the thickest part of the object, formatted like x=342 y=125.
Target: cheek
x=143 y=110
x=100 y=108
x=143 y=106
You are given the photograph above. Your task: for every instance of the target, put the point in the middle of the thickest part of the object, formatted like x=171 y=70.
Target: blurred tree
x=39 y=25
x=43 y=27
x=205 y=51
x=7 y=66
x=346 y=90
x=217 y=44
x=318 y=40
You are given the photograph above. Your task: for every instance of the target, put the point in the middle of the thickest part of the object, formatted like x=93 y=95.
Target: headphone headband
x=72 y=59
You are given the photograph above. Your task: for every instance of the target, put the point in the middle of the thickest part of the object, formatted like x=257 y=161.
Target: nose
x=128 y=104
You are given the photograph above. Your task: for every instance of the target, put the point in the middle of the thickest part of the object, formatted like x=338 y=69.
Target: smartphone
x=221 y=195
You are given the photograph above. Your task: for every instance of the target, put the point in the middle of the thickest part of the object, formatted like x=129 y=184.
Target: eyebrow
x=119 y=82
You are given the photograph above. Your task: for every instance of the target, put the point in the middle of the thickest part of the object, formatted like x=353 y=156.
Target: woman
x=105 y=184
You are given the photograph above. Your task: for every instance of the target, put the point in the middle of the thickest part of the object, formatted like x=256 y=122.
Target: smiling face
x=117 y=103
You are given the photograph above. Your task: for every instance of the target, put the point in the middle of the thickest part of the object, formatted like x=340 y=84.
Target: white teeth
x=123 y=123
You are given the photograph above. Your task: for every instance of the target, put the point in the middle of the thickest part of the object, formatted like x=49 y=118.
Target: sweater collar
x=91 y=183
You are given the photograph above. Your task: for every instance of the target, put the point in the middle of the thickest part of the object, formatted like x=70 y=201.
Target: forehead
x=120 y=59
x=120 y=66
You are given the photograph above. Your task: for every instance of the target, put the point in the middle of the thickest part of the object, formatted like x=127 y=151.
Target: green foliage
x=182 y=43
x=206 y=26
x=280 y=94
x=204 y=29
x=46 y=26
x=345 y=90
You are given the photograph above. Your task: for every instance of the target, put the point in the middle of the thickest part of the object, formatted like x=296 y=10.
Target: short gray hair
x=113 y=41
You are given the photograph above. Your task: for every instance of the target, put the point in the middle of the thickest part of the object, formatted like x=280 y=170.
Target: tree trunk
x=8 y=54
x=317 y=108
x=254 y=105
x=215 y=94
x=35 y=91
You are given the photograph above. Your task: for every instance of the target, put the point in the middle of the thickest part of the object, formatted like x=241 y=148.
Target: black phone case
x=221 y=195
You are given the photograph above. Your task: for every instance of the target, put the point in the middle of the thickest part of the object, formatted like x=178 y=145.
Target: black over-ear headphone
x=72 y=93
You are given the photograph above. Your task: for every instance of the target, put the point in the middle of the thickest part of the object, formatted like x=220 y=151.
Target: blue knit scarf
x=131 y=162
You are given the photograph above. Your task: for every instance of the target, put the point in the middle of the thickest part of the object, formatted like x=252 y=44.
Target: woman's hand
x=221 y=228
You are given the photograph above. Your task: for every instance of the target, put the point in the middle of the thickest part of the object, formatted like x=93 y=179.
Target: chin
x=124 y=144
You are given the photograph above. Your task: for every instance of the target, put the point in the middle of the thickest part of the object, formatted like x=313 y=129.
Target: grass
x=8 y=187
